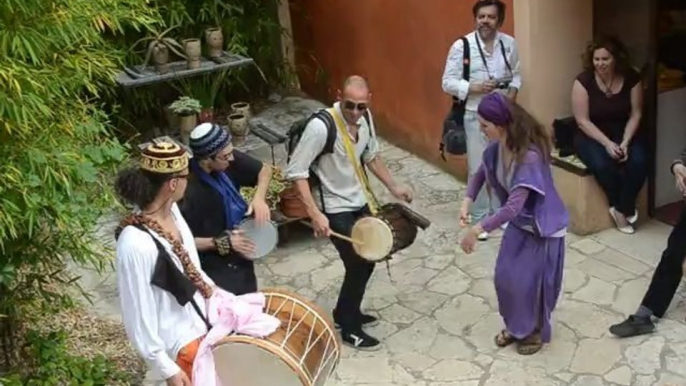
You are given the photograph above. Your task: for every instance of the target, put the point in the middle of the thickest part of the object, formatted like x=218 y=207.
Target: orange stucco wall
x=400 y=46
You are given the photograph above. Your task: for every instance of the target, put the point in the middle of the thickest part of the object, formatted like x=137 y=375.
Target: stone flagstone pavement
x=438 y=315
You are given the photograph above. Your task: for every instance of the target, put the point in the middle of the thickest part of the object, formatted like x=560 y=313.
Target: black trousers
x=621 y=182
x=231 y=273
x=357 y=271
x=667 y=275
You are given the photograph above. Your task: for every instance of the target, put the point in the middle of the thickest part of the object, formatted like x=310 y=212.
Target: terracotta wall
x=400 y=46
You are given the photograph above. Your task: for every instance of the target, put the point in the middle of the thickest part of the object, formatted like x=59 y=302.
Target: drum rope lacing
x=372 y=202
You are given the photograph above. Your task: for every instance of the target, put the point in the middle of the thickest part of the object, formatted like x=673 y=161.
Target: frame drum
x=265 y=236
x=303 y=351
x=390 y=231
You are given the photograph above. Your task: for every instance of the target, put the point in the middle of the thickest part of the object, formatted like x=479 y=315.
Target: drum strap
x=350 y=150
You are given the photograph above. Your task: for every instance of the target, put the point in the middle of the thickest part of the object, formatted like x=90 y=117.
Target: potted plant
x=187 y=110
x=158 y=50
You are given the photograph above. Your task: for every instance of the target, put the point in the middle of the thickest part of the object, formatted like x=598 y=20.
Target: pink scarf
x=229 y=313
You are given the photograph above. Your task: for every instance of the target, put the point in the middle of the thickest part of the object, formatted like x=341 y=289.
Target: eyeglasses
x=350 y=105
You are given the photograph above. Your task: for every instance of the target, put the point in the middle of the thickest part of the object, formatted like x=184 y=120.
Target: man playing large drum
x=213 y=207
x=161 y=328
x=343 y=199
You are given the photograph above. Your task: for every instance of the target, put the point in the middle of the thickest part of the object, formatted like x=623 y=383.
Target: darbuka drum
x=390 y=231
x=265 y=236
x=304 y=351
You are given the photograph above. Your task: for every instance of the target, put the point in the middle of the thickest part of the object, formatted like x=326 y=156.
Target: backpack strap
x=507 y=62
x=164 y=258
x=466 y=63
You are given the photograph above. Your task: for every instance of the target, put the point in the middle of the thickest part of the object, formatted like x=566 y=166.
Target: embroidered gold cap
x=164 y=156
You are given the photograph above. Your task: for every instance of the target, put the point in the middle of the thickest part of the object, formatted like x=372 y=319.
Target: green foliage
x=56 y=149
x=54 y=366
x=250 y=28
x=185 y=106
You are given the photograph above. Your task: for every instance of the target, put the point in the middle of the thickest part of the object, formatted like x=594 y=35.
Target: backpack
x=296 y=131
x=454 y=137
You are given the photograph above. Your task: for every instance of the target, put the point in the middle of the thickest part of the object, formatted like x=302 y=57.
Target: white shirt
x=157 y=326
x=342 y=190
x=455 y=85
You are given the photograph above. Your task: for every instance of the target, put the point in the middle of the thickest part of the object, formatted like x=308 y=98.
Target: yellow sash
x=350 y=150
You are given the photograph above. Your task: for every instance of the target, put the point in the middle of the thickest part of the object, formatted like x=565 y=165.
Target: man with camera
x=493 y=63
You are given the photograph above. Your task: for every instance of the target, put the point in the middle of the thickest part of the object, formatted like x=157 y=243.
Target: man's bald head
x=354 y=98
x=356 y=81
x=356 y=88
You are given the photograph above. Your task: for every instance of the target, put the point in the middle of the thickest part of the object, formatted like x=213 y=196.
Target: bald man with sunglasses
x=342 y=199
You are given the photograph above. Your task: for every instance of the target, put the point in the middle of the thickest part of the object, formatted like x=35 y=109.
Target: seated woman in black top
x=607 y=100
x=213 y=207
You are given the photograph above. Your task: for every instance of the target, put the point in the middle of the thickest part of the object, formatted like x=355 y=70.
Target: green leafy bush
x=56 y=147
x=54 y=366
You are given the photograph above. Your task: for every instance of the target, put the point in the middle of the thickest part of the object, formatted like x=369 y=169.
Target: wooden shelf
x=138 y=76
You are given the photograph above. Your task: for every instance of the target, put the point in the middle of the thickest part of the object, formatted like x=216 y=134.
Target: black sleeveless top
x=611 y=114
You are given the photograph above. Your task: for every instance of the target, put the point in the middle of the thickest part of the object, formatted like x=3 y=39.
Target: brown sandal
x=531 y=345
x=504 y=339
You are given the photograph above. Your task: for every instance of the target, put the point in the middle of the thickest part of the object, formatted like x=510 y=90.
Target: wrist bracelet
x=223 y=243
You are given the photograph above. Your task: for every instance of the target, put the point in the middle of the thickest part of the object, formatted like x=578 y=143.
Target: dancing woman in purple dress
x=528 y=272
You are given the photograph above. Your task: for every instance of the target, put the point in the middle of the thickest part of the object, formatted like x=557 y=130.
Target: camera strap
x=483 y=57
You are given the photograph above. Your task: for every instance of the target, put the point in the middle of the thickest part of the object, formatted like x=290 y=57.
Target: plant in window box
x=187 y=110
x=158 y=50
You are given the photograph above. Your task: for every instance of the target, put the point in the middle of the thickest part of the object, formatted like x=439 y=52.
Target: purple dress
x=529 y=268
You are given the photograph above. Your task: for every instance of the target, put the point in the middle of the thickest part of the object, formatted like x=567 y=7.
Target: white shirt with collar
x=157 y=326
x=455 y=85
x=341 y=188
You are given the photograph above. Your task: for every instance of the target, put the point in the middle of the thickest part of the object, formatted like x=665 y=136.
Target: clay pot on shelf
x=215 y=42
x=238 y=125
x=160 y=57
x=186 y=124
x=241 y=108
x=193 y=52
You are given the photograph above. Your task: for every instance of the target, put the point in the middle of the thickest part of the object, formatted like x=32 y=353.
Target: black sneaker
x=367 y=321
x=360 y=340
x=633 y=326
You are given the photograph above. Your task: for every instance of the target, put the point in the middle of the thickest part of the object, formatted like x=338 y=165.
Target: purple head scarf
x=494 y=108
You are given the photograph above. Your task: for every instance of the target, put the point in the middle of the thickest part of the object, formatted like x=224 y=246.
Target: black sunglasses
x=350 y=105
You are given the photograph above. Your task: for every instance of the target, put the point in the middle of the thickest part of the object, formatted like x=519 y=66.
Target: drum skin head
x=265 y=236
x=377 y=237
x=250 y=365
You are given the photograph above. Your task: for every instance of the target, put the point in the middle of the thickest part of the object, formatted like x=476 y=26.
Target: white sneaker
x=483 y=236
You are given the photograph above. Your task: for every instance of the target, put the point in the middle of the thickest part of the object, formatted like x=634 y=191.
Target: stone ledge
x=586 y=201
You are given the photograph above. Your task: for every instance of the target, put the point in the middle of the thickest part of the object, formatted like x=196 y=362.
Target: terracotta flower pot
x=193 y=52
x=215 y=42
x=242 y=108
x=291 y=205
x=160 y=57
x=186 y=124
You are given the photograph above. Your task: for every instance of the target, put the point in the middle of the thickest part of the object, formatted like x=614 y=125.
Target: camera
x=502 y=85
